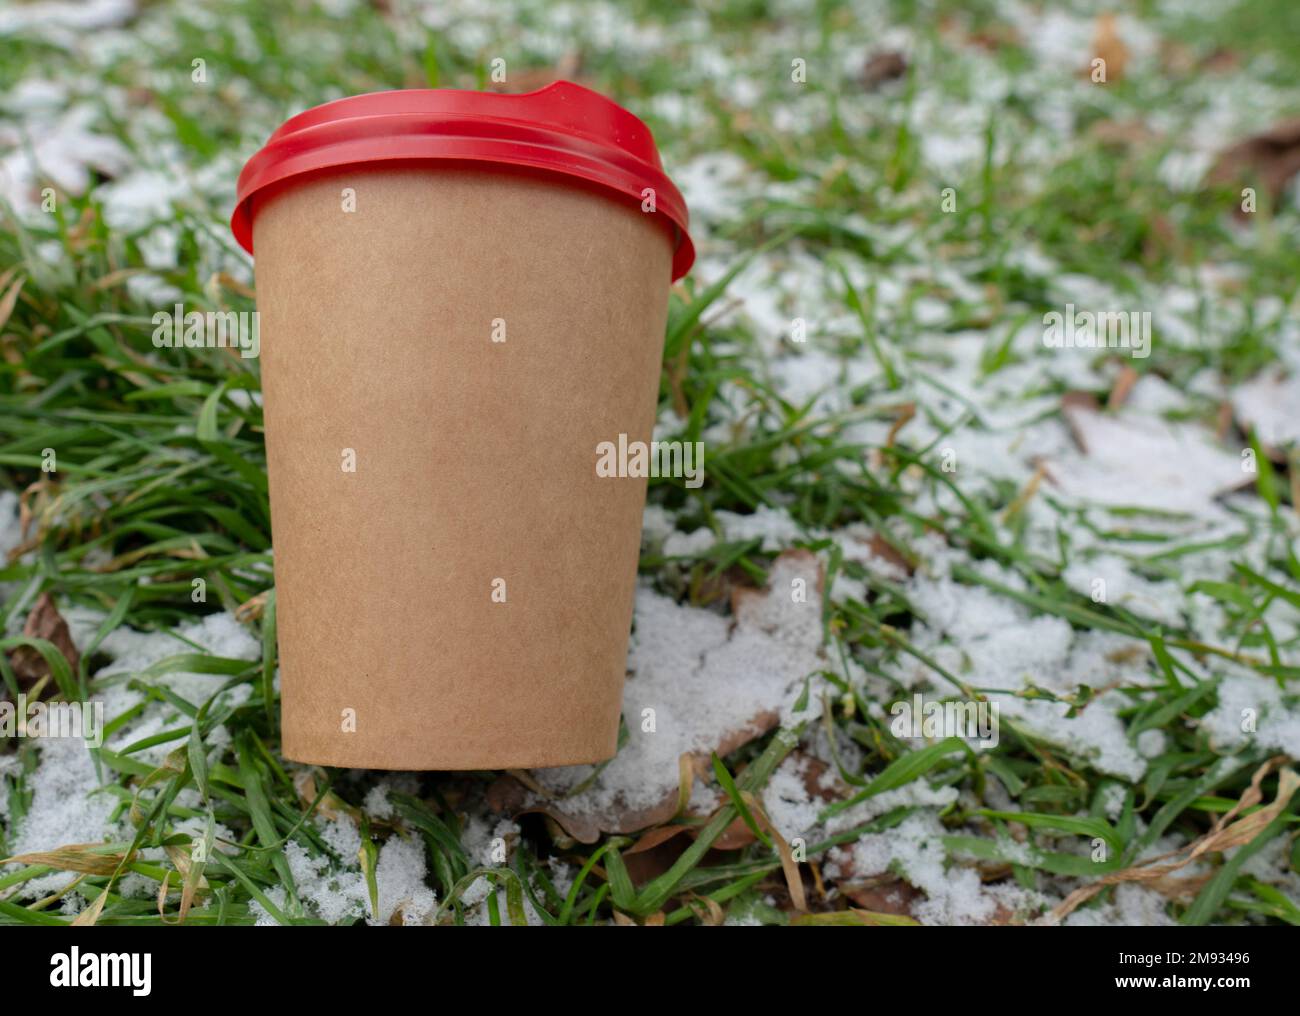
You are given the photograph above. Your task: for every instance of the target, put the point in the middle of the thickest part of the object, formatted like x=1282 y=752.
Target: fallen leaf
x=1176 y=58
x=1121 y=133
x=655 y=852
x=1124 y=383
x=1223 y=420
x=995 y=38
x=44 y=622
x=736 y=836
x=789 y=867
x=1267 y=161
x=1026 y=494
x=906 y=413
x=1108 y=45
x=1221 y=61
x=88 y=917
x=10 y=298
x=654 y=838
x=1079 y=400
x=879 y=547
x=252 y=608
x=713 y=915
x=580 y=828
x=887 y=895
x=886 y=65
x=1224 y=835
x=84 y=857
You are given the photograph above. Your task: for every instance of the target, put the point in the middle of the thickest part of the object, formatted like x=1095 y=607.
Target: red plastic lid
x=562 y=128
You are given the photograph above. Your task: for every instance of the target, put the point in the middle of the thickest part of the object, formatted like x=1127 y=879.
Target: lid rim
x=563 y=144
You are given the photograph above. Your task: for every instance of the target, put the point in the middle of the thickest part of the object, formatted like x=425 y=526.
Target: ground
x=913 y=485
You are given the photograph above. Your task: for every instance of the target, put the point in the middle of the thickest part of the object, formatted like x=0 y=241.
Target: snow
x=1121 y=586
x=1253 y=710
x=334 y=894
x=1270 y=405
x=703 y=680
x=476 y=896
x=64 y=23
x=710 y=184
x=377 y=805
x=772 y=527
x=341 y=836
x=61 y=151
x=141 y=199
x=279 y=896
x=400 y=874
x=954 y=894
x=10 y=531
x=1133 y=460
x=995 y=644
x=336 y=891
x=1133 y=906
x=65 y=808
x=483 y=836
x=786 y=799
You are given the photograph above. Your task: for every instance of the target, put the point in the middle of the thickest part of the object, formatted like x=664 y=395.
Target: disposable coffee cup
x=461 y=297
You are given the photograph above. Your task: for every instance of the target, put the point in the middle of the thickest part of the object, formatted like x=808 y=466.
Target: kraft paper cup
x=446 y=340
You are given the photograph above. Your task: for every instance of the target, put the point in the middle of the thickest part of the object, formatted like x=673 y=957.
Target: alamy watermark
x=1123 y=329
x=82 y=720
x=77 y=969
x=656 y=459
x=916 y=718
x=225 y=329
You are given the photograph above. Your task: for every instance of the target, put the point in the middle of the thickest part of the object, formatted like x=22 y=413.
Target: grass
x=160 y=477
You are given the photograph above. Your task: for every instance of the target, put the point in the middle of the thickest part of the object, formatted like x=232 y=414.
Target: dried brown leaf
x=1122 y=387
x=1267 y=160
x=9 y=299
x=44 y=622
x=887 y=895
x=1108 y=45
x=88 y=858
x=251 y=609
x=654 y=838
x=886 y=65
x=88 y=917
x=793 y=878
x=1225 y=835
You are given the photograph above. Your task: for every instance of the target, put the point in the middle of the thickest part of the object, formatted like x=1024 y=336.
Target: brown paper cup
x=454 y=581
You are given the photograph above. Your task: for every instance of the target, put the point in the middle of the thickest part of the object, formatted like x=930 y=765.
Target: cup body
x=444 y=347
